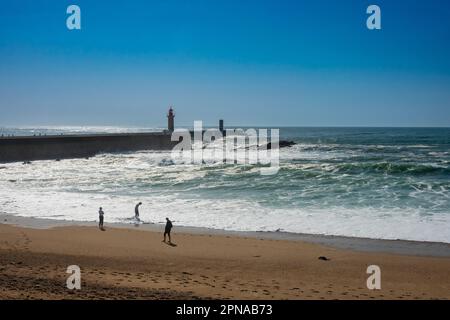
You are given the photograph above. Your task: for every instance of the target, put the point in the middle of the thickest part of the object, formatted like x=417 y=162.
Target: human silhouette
x=167 y=230
x=136 y=210
x=100 y=218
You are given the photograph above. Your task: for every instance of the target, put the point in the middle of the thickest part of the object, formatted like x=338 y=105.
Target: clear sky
x=251 y=62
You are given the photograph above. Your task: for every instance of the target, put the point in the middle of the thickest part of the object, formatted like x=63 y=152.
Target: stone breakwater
x=14 y=149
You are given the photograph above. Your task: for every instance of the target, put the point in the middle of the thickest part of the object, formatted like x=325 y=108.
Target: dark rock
x=324 y=258
x=281 y=144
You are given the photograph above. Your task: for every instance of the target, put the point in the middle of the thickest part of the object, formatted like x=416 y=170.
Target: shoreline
x=365 y=245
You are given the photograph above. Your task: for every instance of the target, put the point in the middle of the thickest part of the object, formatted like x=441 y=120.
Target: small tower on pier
x=170 y=120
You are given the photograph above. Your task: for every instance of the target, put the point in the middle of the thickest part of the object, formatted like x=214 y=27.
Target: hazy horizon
x=210 y=125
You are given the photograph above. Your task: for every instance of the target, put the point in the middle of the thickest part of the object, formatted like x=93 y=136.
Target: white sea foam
x=239 y=215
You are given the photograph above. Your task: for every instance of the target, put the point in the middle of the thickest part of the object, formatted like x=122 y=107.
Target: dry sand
x=122 y=263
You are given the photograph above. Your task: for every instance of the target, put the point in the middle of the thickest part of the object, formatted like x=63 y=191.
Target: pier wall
x=13 y=149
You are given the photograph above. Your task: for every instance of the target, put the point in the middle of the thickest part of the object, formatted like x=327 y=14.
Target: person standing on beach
x=100 y=218
x=167 y=230
x=136 y=210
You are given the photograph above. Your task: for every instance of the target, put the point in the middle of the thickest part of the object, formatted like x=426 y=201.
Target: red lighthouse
x=170 y=117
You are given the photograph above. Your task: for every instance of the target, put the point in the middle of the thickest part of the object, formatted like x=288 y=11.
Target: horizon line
x=182 y=126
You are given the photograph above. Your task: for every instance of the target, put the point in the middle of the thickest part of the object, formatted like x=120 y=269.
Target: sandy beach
x=127 y=263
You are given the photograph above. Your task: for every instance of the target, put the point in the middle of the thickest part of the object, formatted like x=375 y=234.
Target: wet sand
x=127 y=263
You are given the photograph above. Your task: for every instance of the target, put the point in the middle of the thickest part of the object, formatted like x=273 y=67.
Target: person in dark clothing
x=136 y=210
x=100 y=218
x=167 y=230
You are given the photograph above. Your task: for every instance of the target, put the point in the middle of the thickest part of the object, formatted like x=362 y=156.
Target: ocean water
x=388 y=183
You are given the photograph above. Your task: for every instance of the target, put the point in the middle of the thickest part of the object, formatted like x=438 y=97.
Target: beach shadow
x=102 y=229
x=170 y=244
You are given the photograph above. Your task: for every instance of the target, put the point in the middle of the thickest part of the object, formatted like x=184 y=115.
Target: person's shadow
x=170 y=244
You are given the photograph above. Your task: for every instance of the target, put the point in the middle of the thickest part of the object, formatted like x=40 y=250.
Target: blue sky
x=256 y=63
